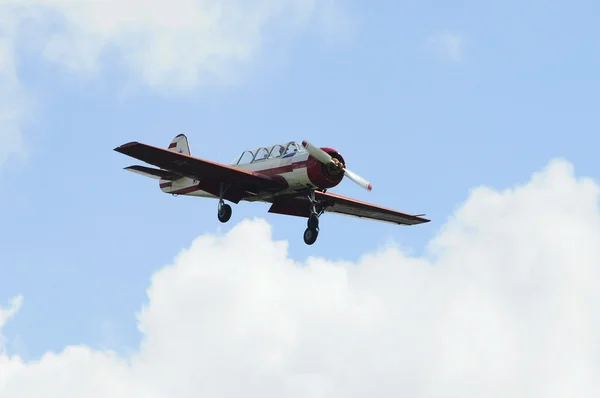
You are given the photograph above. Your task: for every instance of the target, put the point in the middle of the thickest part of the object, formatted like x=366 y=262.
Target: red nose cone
x=369 y=187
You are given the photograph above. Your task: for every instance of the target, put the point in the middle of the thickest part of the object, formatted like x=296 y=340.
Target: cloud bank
x=506 y=304
x=172 y=46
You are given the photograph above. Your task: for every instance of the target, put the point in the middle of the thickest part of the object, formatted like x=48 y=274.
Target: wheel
x=313 y=221
x=310 y=235
x=224 y=213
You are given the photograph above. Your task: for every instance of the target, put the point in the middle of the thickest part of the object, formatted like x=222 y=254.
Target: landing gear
x=313 y=221
x=312 y=231
x=224 y=210
x=310 y=235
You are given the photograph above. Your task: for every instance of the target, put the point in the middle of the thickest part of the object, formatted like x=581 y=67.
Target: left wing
x=210 y=174
x=300 y=206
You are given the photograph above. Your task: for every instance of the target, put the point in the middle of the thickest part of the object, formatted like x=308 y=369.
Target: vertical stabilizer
x=180 y=145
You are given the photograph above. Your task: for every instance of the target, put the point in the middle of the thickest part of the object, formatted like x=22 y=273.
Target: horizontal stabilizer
x=154 y=173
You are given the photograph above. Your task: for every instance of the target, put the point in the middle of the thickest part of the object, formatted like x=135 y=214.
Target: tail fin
x=180 y=145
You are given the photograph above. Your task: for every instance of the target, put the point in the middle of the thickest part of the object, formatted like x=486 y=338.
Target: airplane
x=293 y=177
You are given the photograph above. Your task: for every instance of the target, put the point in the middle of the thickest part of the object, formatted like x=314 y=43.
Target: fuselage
x=299 y=170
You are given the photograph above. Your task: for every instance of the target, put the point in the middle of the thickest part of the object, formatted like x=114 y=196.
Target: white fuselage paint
x=296 y=177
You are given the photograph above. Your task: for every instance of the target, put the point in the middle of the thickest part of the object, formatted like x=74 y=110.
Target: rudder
x=180 y=145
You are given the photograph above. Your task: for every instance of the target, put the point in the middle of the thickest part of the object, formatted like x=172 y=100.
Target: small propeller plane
x=293 y=177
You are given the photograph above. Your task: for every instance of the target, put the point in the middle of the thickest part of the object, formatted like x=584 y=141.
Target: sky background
x=428 y=100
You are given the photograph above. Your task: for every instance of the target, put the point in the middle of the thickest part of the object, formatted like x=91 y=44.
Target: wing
x=300 y=206
x=352 y=207
x=210 y=174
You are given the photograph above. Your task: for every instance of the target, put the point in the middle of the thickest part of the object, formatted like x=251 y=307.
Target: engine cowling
x=325 y=176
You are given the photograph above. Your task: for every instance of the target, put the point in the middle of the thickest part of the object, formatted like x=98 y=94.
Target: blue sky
x=427 y=100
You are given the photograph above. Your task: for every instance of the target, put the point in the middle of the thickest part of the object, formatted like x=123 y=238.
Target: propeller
x=326 y=159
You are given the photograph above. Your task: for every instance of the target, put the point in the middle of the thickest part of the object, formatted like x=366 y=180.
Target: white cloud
x=449 y=45
x=176 y=44
x=172 y=46
x=6 y=314
x=506 y=305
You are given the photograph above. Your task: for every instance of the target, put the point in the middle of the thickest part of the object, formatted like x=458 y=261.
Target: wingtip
x=121 y=147
x=421 y=218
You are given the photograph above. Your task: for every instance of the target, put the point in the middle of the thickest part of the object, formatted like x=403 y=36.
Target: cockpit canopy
x=275 y=151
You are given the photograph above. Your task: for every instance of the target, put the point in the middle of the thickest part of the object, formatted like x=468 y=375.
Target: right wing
x=353 y=207
x=333 y=203
x=210 y=174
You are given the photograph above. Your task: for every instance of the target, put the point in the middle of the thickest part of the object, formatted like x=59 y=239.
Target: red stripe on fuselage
x=283 y=169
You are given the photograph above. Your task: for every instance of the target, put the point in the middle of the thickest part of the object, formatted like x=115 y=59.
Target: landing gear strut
x=312 y=231
x=224 y=210
x=313 y=221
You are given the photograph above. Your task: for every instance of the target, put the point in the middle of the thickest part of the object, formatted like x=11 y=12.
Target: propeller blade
x=317 y=152
x=358 y=179
x=325 y=158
